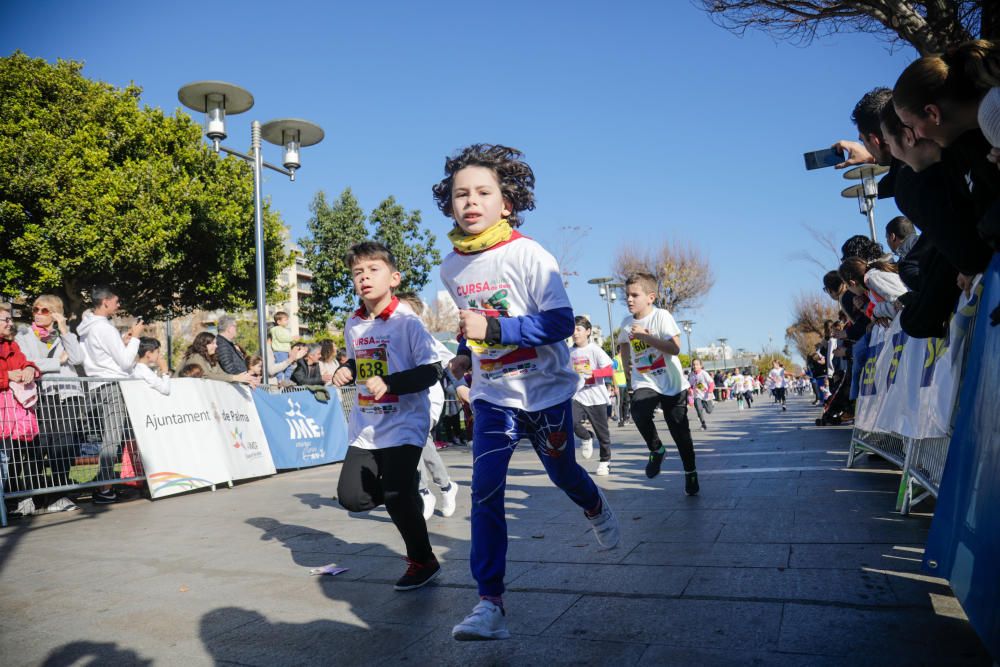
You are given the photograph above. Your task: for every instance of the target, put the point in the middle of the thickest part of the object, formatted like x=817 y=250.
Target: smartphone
x=827 y=157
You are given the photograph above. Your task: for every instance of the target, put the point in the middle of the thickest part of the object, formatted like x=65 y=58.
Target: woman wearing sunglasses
x=49 y=344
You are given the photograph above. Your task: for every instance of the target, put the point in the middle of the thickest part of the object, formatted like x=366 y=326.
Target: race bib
x=374 y=362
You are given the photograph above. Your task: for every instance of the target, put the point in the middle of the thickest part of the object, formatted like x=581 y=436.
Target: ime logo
x=299 y=425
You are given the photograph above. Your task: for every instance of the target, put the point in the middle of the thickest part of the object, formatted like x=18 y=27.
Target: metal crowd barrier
x=84 y=440
x=921 y=460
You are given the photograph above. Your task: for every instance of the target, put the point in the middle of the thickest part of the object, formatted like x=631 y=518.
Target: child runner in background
x=777 y=379
x=593 y=365
x=704 y=391
x=738 y=387
x=431 y=466
x=147 y=365
x=621 y=384
x=515 y=316
x=456 y=394
x=394 y=360
x=650 y=342
x=748 y=389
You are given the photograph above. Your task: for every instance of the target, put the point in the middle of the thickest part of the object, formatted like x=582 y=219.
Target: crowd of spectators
x=48 y=426
x=938 y=132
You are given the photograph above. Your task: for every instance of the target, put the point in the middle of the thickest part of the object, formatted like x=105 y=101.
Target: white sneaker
x=605 y=525
x=604 y=468
x=448 y=499
x=429 y=502
x=587 y=448
x=485 y=622
x=64 y=504
x=26 y=507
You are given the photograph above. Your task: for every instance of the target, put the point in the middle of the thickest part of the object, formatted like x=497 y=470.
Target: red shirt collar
x=384 y=315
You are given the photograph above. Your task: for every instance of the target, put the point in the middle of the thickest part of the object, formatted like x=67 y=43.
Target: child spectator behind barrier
x=149 y=363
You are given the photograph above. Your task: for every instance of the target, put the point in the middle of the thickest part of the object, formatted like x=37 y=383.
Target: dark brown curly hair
x=517 y=180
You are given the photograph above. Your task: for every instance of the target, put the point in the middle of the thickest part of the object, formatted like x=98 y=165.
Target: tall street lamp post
x=216 y=99
x=724 y=362
x=608 y=290
x=686 y=326
x=866 y=191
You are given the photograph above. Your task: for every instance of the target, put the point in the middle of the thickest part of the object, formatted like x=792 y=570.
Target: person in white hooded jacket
x=107 y=355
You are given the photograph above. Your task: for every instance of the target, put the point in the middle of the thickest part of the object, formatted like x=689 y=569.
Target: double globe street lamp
x=608 y=290
x=216 y=99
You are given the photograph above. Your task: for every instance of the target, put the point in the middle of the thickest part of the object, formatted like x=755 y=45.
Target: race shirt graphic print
x=498 y=361
x=514 y=279
x=585 y=361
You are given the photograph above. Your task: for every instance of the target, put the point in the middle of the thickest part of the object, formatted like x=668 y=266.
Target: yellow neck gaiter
x=498 y=233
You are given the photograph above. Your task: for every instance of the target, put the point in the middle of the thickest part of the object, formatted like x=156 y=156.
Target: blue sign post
x=964 y=542
x=302 y=431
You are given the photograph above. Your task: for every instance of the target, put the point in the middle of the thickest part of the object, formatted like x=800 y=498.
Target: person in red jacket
x=14 y=367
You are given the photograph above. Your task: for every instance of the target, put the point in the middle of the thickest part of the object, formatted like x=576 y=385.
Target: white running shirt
x=394 y=341
x=585 y=360
x=513 y=279
x=652 y=369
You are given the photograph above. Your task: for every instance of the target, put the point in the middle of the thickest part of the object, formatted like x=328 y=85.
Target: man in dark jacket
x=230 y=356
x=307 y=371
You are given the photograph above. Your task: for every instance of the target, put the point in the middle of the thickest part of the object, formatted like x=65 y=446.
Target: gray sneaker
x=605 y=524
x=485 y=622
x=64 y=504
x=26 y=507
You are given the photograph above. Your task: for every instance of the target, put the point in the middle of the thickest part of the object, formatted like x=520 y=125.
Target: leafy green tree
x=95 y=188
x=333 y=229
x=412 y=245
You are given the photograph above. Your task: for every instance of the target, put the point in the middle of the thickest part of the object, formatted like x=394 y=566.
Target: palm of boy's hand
x=638 y=329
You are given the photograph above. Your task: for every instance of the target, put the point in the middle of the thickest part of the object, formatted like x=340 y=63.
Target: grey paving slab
x=891 y=556
x=658 y=654
x=915 y=636
x=856 y=587
x=607 y=579
x=439 y=649
x=709 y=555
x=528 y=612
x=690 y=623
x=223 y=578
x=266 y=642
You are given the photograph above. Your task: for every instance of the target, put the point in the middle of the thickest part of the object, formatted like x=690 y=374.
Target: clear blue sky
x=642 y=120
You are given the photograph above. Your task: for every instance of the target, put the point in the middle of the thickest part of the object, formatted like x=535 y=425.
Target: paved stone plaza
x=785 y=558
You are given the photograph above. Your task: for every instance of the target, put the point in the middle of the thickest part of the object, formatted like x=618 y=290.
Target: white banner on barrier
x=203 y=433
x=908 y=385
x=242 y=435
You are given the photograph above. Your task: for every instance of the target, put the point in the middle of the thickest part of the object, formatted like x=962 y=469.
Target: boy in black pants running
x=650 y=342
x=394 y=360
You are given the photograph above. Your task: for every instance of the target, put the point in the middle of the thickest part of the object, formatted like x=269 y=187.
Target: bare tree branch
x=806 y=330
x=930 y=26
x=683 y=272
x=441 y=315
x=567 y=250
